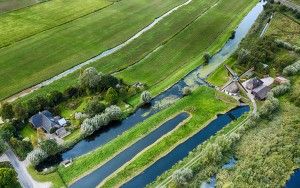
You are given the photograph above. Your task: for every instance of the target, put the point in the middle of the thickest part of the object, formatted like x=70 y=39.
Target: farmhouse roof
x=261 y=92
x=254 y=83
x=44 y=120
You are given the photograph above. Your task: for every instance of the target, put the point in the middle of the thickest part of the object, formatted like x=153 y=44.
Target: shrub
x=146 y=97
x=112 y=96
x=50 y=146
x=114 y=112
x=94 y=107
x=2 y=147
x=90 y=78
x=206 y=58
x=37 y=156
x=54 y=98
x=7 y=131
x=291 y=69
x=182 y=176
x=20 y=111
x=101 y=120
x=281 y=89
x=268 y=107
x=8 y=178
x=71 y=92
x=186 y=91
x=87 y=127
x=80 y=116
x=7 y=111
x=21 y=148
x=109 y=81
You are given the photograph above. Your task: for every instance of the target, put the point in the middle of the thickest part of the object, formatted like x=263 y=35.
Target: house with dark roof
x=261 y=92
x=46 y=121
x=254 y=83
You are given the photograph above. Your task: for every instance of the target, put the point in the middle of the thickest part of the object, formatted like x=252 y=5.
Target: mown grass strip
x=203 y=107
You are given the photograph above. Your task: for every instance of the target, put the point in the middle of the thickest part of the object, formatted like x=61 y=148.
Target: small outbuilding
x=281 y=80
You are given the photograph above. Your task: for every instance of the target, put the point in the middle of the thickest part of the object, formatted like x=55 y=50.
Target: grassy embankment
x=48 y=53
x=201 y=102
x=149 y=41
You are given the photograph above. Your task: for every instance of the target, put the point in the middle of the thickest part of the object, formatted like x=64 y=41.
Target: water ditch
x=294 y=181
x=94 y=178
x=193 y=80
x=182 y=150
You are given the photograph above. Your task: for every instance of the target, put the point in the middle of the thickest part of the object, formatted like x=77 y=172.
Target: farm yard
x=140 y=93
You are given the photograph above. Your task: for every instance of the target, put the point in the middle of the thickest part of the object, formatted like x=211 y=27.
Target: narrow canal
x=182 y=150
x=193 y=79
x=93 y=179
x=294 y=181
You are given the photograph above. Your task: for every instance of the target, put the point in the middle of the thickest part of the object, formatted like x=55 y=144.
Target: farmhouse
x=259 y=87
x=46 y=121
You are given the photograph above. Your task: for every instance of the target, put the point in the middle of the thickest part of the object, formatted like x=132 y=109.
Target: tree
x=87 y=127
x=114 y=112
x=112 y=96
x=243 y=56
x=109 y=81
x=94 y=107
x=50 y=146
x=8 y=178
x=2 y=146
x=20 y=111
x=90 y=78
x=7 y=111
x=182 y=176
x=7 y=131
x=206 y=58
x=37 y=156
x=101 y=120
x=71 y=92
x=54 y=97
x=146 y=97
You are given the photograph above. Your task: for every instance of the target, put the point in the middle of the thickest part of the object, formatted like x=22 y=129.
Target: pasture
x=10 y=5
x=197 y=13
x=48 y=53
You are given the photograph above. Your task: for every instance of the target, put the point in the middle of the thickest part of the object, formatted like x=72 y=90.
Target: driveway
x=24 y=177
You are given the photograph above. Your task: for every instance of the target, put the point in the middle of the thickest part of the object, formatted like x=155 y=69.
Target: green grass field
x=10 y=5
x=285 y=28
x=20 y=24
x=172 y=36
x=48 y=53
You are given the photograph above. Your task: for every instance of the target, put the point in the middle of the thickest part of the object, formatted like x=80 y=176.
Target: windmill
x=235 y=79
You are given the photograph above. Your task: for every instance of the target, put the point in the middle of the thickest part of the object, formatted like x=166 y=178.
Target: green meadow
x=181 y=50
x=34 y=59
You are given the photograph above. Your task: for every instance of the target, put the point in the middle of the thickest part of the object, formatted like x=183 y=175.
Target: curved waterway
x=182 y=150
x=193 y=79
x=94 y=178
x=294 y=181
x=96 y=58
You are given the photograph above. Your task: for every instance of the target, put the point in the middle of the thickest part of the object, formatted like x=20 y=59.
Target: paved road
x=24 y=177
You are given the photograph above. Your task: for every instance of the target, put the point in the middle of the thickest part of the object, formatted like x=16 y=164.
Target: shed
x=281 y=80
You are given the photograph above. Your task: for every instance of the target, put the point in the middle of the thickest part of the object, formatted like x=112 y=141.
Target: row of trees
x=90 y=125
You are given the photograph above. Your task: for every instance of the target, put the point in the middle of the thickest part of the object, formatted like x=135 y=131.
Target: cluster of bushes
x=211 y=154
x=90 y=125
x=281 y=89
x=288 y=46
x=21 y=147
x=8 y=176
x=90 y=82
x=46 y=148
x=292 y=70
